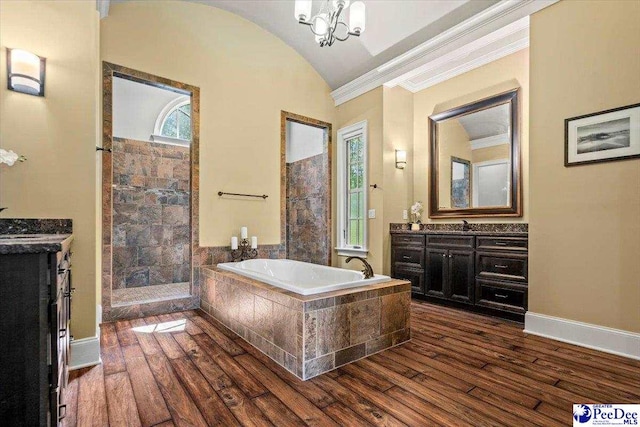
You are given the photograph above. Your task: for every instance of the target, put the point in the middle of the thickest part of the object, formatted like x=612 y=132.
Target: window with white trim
x=177 y=123
x=173 y=124
x=352 y=189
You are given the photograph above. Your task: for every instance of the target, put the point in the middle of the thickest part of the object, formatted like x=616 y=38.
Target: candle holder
x=244 y=251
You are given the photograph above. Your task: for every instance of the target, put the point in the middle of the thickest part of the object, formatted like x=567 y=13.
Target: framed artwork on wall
x=604 y=136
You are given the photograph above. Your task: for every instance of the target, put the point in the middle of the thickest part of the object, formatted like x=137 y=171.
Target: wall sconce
x=401 y=159
x=25 y=72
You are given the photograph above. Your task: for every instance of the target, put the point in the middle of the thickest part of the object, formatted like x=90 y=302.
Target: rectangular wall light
x=25 y=72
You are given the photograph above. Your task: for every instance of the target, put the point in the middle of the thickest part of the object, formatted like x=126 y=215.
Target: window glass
x=170 y=125
x=355 y=169
x=177 y=123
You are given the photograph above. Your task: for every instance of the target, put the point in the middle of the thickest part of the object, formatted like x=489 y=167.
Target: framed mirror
x=475 y=159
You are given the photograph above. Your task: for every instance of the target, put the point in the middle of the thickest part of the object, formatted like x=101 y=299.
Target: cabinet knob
x=501 y=296
x=406 y=257
x=444 y=255
x=500 y=266
x=450 y=256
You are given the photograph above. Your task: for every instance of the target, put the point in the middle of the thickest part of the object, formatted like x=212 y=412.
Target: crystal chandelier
x=328 y=25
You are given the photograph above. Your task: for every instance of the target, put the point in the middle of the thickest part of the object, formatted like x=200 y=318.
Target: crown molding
x=510 y=39
x=493 y=19
x=490 y=141
x=102 y=6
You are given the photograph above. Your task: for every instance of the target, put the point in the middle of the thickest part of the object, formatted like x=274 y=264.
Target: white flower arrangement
x=8 y=157
x=416 y=211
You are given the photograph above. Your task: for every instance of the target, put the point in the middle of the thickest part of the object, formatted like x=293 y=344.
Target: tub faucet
x=368 y=271
x=465 y=225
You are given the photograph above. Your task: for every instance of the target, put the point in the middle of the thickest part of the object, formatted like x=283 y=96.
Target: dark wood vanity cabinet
x=485 y=273
x=35 y=290
x=407 y=259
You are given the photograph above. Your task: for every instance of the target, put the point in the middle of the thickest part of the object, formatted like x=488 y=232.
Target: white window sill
x=169 y=140
x=352 y=252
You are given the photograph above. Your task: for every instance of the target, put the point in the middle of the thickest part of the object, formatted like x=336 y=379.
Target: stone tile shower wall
x=151 y=234
x=307 y=216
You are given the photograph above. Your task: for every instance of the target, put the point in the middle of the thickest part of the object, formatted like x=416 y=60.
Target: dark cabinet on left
x=35 y=310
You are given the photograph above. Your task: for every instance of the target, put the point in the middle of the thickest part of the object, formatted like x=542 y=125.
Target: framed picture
x=603 y=137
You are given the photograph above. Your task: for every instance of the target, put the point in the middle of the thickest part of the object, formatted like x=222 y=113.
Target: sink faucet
x=368 y=271
x=465 y=225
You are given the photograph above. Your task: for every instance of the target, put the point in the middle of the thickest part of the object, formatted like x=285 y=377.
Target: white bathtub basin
x=301 y=277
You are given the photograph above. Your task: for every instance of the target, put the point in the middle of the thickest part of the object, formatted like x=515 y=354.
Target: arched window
x=174 y=121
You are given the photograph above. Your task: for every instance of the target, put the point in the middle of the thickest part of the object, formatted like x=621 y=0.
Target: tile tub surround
x=309 y=335
x=307 y=193
x=150 y=241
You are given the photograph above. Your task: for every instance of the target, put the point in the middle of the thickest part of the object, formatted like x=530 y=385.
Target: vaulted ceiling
x=411 y=43
x=393 y=27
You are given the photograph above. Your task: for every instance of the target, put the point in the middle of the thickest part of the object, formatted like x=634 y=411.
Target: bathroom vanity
x=478 y=270
x=35 y=290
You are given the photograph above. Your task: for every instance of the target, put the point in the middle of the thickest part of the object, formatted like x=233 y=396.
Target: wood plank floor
x=459 y=369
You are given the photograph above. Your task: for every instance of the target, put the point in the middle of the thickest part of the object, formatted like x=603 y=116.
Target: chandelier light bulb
x=357 y=17
x=321 y=24
x=303 y=10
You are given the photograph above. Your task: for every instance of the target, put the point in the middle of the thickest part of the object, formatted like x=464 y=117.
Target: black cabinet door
x=461 y=264
x=414 y=275
x=436 y=272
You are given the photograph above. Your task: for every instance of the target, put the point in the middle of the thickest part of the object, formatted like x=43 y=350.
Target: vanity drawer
x=407 y=239
x=450 y=241
x=502 y=266
x=501 y=295
x=414 y=275
x=516 y=244
x=409 y=256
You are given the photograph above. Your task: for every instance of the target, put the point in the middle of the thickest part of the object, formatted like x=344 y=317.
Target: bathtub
x=301 y=277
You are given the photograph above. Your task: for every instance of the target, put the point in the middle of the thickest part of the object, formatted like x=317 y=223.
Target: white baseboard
x=614 y=341
x=85 y=352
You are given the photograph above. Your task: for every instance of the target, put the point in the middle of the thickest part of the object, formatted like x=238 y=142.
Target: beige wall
x=585 y=230
x=397 y=184
x=56 y=133
x=497 y=152
x=246 y=77
x=499 y=76
x=367 y=107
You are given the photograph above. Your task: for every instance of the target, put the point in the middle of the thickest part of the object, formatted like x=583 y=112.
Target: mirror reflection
x=474 y=152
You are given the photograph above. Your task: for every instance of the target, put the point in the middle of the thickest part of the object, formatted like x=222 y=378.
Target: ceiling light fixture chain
x=324 y=25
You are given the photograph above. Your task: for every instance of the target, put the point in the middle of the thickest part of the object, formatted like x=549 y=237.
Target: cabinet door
x=436 y=267
x=461 y=276
x=414 y=275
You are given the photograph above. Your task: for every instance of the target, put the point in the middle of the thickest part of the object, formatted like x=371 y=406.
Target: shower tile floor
x=146 y=294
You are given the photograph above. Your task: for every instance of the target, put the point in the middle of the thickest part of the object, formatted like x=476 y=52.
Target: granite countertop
x=464 y=233
x=34 y=243
x=518 y=229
